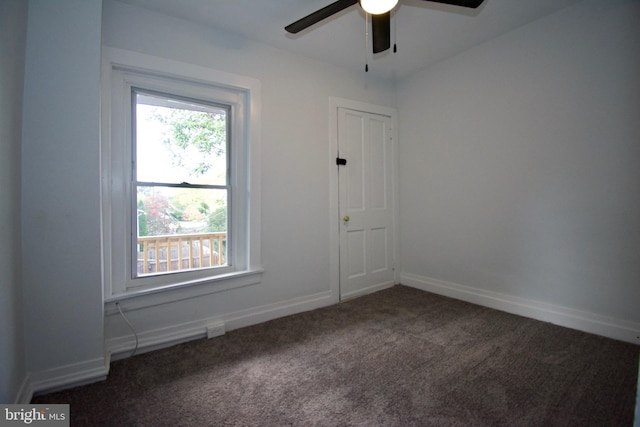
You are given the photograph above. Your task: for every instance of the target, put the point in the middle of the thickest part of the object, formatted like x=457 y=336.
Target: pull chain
x=366 y=42
x=395 y=32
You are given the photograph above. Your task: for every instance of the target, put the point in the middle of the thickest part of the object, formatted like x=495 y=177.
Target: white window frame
x=124 y=70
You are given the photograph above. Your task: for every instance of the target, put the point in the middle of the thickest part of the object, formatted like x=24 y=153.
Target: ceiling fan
x=380 y=11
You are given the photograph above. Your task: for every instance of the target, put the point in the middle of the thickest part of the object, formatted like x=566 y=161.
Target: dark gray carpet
x=399 y=357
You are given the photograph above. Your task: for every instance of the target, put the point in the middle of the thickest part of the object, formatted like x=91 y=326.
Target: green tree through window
x=181 y=174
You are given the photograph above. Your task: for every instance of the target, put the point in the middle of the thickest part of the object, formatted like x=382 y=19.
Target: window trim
x=122 y=70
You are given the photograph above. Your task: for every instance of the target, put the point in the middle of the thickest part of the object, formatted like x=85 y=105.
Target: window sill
x=142 y=298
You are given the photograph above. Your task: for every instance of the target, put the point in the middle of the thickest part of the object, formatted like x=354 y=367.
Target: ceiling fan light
x=377 y=7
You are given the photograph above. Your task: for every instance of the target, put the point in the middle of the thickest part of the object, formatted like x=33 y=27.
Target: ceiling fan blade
x=319 y=15
x=381 y=32
x=464 y=3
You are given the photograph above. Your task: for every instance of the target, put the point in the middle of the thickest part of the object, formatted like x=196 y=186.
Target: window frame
x=124 y=71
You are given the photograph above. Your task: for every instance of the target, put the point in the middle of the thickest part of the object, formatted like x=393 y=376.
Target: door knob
x=346 y=218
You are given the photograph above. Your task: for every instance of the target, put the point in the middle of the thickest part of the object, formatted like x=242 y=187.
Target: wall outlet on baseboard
x=215 y=330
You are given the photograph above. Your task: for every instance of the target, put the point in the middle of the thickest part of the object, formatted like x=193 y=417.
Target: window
x=181 y=182
x=180 y=177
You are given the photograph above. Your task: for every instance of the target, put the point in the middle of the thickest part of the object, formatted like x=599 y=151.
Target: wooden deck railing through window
x=178 y=252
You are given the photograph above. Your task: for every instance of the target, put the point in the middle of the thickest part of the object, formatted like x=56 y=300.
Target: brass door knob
x=346 y=218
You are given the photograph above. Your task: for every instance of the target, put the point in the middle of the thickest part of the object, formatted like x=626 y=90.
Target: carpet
x=399 y=357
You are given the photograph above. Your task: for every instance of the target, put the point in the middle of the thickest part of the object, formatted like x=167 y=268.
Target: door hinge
x=341 y=162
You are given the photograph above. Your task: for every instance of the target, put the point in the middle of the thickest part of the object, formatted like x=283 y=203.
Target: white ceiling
x=426 y=32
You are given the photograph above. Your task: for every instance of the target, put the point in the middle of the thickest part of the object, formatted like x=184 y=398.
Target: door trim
x=334 y=196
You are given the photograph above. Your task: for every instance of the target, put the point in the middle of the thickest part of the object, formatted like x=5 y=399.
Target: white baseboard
x=365 y=291
x=25 y=393
x=119 y=347
x=253 y=316
x=122 y=347
x=563 y=316
x=73 y=375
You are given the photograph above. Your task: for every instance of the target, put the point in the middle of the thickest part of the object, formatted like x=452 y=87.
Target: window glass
x=181 y=178
x=180 y=141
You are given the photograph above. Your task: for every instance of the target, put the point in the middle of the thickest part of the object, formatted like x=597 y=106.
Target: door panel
x=378 y=157
x=356 y=247
x=366 y=214
x=379 y=259
x=353 y=148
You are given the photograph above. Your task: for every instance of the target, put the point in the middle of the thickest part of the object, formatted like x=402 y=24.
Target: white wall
x=520 y=169
x=13 y=26
x=295 y=164
x=518 y=172
x=61 y=192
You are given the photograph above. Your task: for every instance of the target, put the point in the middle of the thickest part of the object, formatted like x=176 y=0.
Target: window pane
x=178 y=141
x=180 y=229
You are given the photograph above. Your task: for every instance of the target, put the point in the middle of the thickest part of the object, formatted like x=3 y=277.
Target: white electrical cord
x=130 y=327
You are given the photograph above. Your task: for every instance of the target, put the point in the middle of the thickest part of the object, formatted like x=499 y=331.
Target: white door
x=365 y=186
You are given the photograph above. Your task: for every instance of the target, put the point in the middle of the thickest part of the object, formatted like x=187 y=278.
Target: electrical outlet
x=215 y=330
